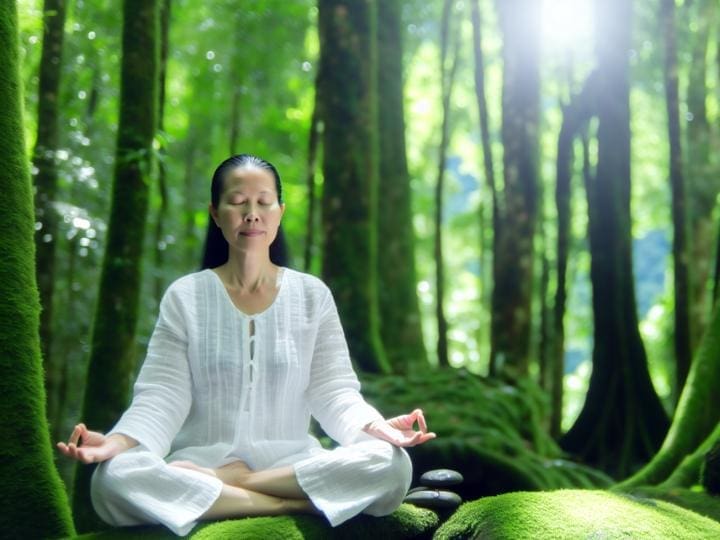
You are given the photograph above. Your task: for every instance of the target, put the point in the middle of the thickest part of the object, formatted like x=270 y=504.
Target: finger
x=63 y=448
x=421 y=420
x=75 y=435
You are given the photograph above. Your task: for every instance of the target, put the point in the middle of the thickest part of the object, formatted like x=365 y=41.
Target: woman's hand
x=92 y=447
x=400 y=430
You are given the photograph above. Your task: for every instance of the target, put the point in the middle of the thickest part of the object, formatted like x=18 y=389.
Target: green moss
x=489 y=431
x=406 y=522
x=575 y=514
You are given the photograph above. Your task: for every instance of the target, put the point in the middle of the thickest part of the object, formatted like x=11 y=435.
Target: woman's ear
x=282 y=210
x=213 y=213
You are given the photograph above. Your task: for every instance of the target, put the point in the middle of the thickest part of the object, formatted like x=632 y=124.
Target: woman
x=242 y=356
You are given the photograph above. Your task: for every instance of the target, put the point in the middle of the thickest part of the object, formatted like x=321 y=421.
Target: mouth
x=252 y=233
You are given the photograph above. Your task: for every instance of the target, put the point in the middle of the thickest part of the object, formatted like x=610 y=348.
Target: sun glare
x=566 y=24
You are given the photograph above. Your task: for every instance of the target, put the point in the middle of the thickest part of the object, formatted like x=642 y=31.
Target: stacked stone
x=432 y=491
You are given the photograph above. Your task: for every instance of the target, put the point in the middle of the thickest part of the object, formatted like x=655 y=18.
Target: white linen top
x=219 y=385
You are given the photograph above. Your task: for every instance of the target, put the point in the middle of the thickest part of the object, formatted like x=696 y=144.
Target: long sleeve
x=334 y=389
x=162 y=391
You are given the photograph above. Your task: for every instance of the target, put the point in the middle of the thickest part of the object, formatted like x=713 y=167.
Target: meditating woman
x=243 y=354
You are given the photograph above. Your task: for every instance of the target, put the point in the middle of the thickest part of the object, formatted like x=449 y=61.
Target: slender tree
x=683 y=353
x=576 y=115
x=622 y=422
x=447 y=81
x=488 y=161
x=46 y=186
x=312 y=218
x=348 y=89
x=34 y=504
x=112 y=357
x=513 y=253
x=159 y=232
x=399 y=312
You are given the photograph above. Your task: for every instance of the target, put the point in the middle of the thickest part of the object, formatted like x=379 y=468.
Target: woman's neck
x=248 y=272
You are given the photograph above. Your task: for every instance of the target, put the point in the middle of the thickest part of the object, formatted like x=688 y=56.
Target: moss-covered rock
x=405 y=523
x=489 y=431
x=574 y=514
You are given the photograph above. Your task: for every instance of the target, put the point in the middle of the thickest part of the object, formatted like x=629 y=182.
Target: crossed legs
x=250 y=493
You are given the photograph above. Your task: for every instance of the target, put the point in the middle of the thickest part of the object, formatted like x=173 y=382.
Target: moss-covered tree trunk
x=348 y=93
x=311 y=224
x=112 y=356
x=696 y=415
x=34 y=504
x=513 y=257
x=683 y=352
x=622 y=422
x=399 y=312
x=46 y=185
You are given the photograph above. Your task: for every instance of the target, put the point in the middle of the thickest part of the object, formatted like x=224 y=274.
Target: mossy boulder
x=405 y=523
x=491 y=432
x=571 y=514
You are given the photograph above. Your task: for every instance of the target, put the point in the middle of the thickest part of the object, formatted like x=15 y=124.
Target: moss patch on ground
x=490 y=431
x=571 y=514
x=407 y=522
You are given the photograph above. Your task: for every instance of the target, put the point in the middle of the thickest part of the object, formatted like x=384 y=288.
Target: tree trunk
x=112 y=357
x=34 y=502
x=46 y=185
x=701 y=170
x=348 y=89
x=159 y=244
x=488 y=162
x=399 y=312
x=697 y=413
x=683 y=353
x=575 y=116
x=447 y=79
x=514 y=254
x=622 y=422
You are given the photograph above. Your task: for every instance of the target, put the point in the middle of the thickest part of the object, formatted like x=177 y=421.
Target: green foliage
x=406 y=522
x=568 y=514
x=693 y=499
x=489 y=431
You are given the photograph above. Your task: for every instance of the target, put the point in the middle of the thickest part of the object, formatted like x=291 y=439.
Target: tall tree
x=513 y=256
x=112 y=357
x=683 y=352
x=312 y=217
x=46 y=186
x=622 y=422
x=488 y=161
x=447 y=81
x=348 y=90
x=701 y=168
x=34 y=504
x=399 y=312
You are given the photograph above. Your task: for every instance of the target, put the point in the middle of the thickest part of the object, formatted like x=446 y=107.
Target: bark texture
x=34 y=503
x=348 y=89
x=514 y=254
x=399 y=311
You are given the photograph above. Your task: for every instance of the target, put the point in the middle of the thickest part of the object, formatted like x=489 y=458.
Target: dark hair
x=215 y=252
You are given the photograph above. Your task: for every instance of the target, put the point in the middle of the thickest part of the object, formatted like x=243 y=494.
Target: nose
x=251 y=216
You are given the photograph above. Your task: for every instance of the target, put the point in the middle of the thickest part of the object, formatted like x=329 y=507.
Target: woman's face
x=248 y=213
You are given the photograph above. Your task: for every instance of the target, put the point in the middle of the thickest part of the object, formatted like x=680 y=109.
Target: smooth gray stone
x=441 y=478
x=434 y=498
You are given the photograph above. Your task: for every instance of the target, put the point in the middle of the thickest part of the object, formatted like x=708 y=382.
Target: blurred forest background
x=515 y=203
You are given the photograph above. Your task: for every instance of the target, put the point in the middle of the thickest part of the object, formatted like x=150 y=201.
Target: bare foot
x=233 y=474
